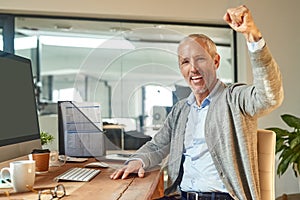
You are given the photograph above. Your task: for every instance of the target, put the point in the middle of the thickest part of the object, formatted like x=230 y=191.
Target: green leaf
x=283 y=165
x=291 y=121
x=295 y=157
x=295 y=142
x=295 y=169
x=291 y=138
x=280 y=145
x=279 y=132
x=298 y=167
x=286 y=154
x=46 y=138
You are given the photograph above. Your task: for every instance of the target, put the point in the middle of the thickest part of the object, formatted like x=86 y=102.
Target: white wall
x=278 y=21
x=49 y=124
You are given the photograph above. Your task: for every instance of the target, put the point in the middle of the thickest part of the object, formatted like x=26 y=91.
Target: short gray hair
x=212 y=48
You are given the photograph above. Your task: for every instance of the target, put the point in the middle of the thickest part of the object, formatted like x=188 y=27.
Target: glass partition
x=114 y=63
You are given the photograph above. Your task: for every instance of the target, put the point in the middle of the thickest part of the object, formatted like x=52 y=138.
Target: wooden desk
x=101 y=187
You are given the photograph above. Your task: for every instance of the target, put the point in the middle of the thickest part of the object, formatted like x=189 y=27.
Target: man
x=211 y=137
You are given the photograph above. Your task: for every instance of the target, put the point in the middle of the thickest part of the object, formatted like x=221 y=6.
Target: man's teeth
x=196 y=77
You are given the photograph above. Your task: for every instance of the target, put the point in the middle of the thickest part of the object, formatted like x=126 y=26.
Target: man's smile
x=196 y=79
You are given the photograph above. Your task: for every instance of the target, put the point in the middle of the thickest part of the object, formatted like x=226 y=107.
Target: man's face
x=197 y=65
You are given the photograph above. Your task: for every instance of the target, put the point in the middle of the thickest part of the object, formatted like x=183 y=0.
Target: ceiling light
x=63 y=27
x=70 y=41
x=119 y=29
x=22 y=43
x=86 y=42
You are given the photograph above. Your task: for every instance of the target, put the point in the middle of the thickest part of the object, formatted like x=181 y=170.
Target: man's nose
x=193 y=66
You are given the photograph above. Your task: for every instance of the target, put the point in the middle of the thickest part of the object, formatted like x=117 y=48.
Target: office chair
x=133 y=140
x=266 y=163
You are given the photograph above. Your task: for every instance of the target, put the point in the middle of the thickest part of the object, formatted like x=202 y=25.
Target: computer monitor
x=19 y=127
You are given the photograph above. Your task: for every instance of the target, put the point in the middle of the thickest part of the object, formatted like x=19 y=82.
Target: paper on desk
x=76 y=159
x=83 y=135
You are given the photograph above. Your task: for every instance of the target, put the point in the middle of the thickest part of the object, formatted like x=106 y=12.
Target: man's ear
x=217 y=60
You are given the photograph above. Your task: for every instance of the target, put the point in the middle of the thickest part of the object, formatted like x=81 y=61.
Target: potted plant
x=46 y=138
x=288 y=145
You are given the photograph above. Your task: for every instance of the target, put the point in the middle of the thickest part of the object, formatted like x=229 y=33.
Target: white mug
x=57 y=160
x=21 y=174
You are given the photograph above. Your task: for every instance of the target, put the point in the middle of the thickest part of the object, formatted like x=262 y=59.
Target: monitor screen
x=19 y=127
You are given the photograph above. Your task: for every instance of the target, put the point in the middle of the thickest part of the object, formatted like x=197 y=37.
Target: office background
x=278 y=21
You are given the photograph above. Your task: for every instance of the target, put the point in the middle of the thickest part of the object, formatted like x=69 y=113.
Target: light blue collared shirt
x=254 y=46
x=200 y=174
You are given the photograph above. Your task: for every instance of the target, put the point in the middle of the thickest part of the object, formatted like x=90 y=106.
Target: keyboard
x=78 y=174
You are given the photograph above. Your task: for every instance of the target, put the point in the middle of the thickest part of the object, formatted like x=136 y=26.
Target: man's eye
x=184 y=62
x=200 y=59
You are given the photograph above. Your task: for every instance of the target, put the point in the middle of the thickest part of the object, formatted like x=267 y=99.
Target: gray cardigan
x=230 y=130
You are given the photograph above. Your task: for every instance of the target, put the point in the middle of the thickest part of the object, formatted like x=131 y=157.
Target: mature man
x=210 y=137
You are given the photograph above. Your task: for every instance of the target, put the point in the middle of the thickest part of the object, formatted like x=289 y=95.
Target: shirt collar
x=191 y=98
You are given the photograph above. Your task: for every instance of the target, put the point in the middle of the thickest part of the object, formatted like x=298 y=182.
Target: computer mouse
x=97 y=164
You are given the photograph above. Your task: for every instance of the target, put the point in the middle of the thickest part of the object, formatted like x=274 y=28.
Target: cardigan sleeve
x=266 y=92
